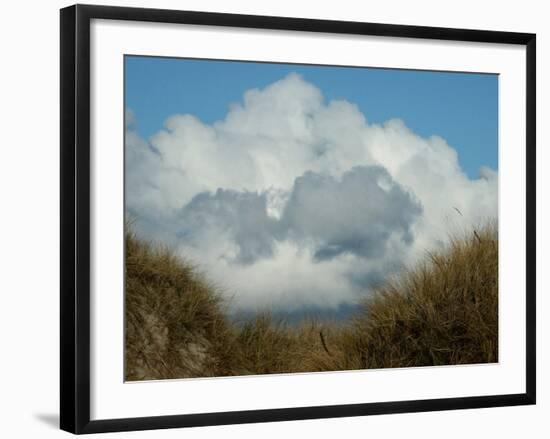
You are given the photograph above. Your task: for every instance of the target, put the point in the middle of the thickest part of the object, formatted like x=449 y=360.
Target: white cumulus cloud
x=293 y=201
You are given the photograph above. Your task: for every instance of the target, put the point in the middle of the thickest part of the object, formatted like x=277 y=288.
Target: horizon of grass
x=442 y=311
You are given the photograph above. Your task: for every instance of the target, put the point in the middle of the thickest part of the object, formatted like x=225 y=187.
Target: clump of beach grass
x=444 y=311
x=175 y=323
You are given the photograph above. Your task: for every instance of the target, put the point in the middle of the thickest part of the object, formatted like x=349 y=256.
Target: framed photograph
x=274 y=218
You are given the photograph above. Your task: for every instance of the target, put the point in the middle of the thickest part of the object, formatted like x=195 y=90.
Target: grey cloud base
x=356 y=214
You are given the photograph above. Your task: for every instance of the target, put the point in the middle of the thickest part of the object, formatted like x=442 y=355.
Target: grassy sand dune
x=175 y=324
x=442 y=312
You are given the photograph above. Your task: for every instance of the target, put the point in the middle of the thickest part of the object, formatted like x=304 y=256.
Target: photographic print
x=251 y=204
x=290 y=218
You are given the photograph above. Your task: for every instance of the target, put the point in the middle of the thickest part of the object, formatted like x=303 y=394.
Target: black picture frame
x=75 y=217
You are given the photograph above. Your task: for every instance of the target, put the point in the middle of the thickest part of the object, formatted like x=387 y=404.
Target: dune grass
x=444 y=311
x=174 y=320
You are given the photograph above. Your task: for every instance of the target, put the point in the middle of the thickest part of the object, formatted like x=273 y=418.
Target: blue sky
x=460 y=107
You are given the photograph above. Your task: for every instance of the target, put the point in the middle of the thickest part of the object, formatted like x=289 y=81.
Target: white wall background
x=29 y=200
